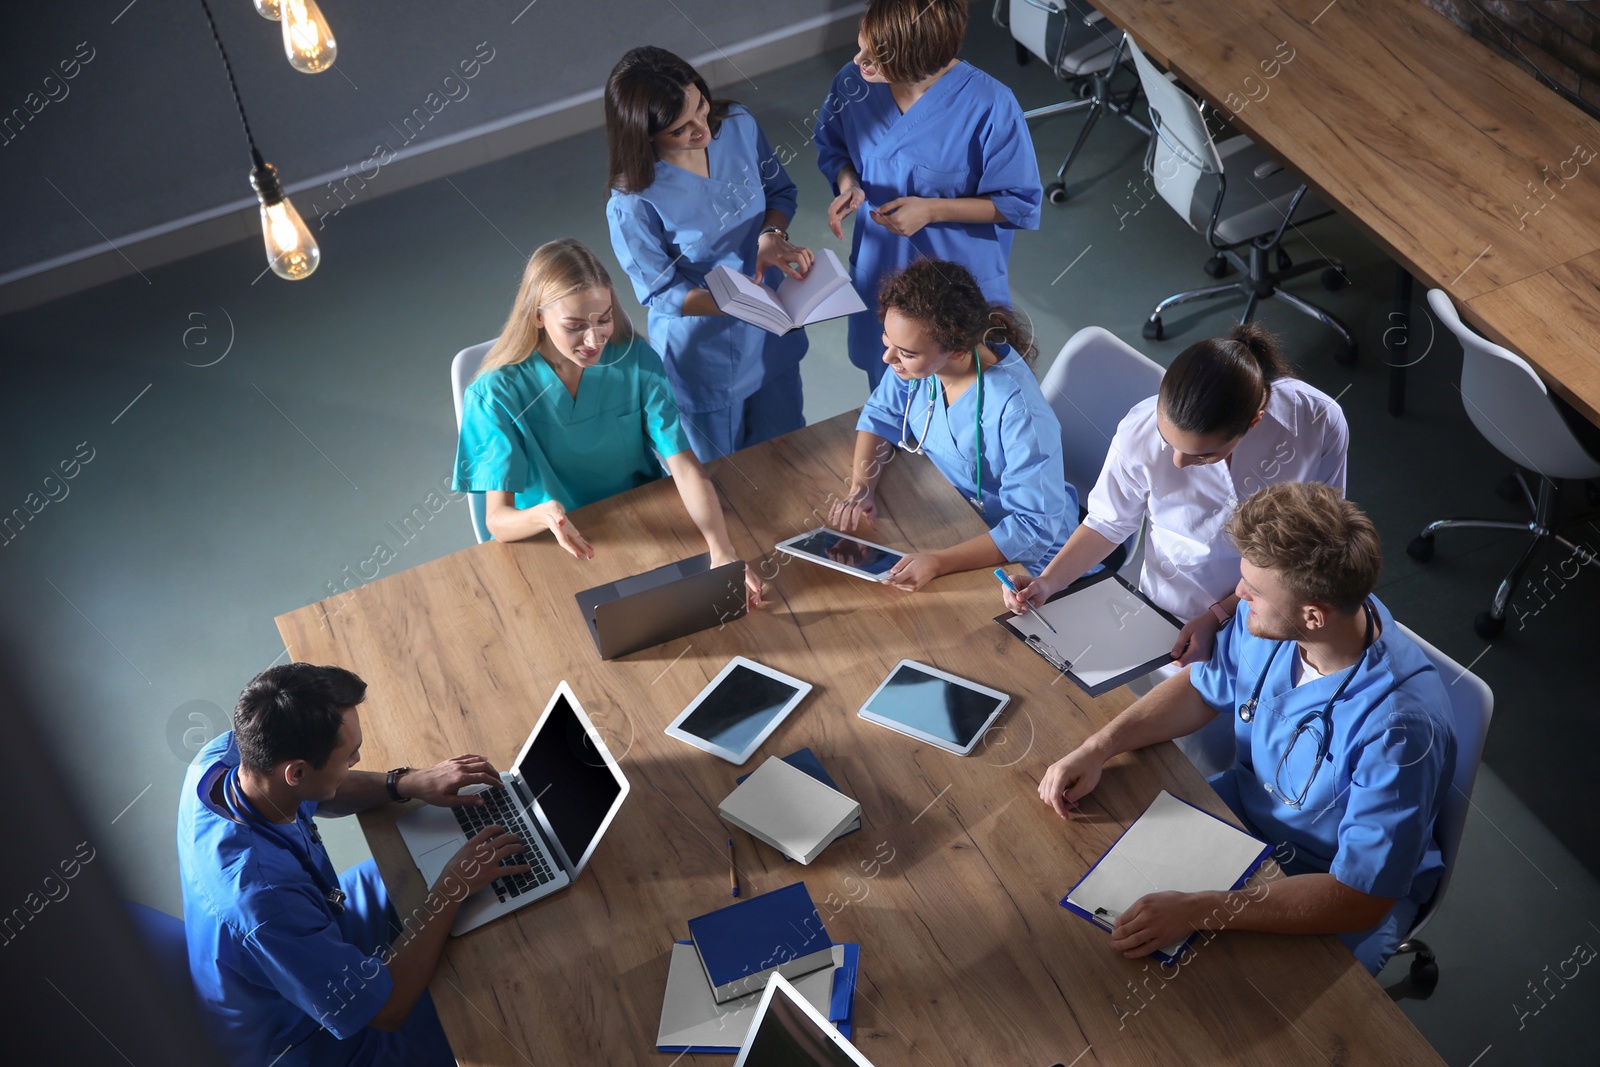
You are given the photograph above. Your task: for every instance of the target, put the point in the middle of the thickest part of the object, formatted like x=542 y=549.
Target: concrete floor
x=247 y=444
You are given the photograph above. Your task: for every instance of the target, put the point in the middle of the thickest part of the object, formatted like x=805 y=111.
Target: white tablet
x=932 y=706
x=738 y=710
x=843 y=552
x=788 y=1030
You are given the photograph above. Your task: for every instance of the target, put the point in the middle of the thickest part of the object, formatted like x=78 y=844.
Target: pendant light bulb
x=270 y=9
x=292 y=252
x=307 y=40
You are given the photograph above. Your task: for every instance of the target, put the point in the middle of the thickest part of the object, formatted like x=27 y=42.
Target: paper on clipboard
x=1172 y=847
x=1108 y=633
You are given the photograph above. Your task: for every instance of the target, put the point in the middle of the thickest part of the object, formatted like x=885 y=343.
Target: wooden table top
x=1461 y=166
x=952 y=886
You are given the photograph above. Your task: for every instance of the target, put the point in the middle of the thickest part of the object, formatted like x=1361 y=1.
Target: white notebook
x=691 y=1016
x=824 y=293
x=789 y=810
x=1107 y=634
x=1172 y=847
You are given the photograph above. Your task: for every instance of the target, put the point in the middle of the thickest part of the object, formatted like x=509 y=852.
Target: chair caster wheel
x=1334 y=279
x=1152 y=329
x=1420 y=549
x=1056 y=193
x=1085 y=89
x=1488 y=626
x=1424 y=973
x=1218 y=266
x=1283 y=260
x=1023 y=55
x=1346 y=354
x=1509 y=489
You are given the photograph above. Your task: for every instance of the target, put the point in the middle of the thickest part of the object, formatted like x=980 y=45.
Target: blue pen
x=1006 y=581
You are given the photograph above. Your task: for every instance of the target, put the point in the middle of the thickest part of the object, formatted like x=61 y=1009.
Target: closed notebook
x=806 y=760
x=1172 y=847
x=740 y=945
x=693 y=1021
x=789 y=810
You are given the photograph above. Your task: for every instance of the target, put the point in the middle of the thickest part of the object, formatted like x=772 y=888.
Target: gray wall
x=144 y=134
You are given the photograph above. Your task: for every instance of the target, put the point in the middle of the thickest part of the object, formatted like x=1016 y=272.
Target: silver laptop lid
x=573 y=783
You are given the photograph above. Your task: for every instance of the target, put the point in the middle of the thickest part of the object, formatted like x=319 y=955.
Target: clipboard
x=1194 y=843
x=1098 y=618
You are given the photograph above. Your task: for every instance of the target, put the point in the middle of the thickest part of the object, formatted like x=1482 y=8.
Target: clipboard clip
x=1051 y=656
x=1106 y=918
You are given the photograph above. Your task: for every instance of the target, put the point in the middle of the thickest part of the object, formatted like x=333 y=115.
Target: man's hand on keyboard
x=442 y=783
x=478 y=862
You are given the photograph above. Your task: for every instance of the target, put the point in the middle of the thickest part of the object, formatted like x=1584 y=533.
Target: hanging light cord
x=255 y=153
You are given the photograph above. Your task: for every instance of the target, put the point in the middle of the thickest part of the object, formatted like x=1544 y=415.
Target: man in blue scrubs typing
x=1343 y=742
x=292 y=963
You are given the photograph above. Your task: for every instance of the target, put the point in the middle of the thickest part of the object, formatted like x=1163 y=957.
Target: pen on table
x=1005 y=581
x=733 y=872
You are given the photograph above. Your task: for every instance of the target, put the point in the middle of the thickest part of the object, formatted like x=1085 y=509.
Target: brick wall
x=1557 y=41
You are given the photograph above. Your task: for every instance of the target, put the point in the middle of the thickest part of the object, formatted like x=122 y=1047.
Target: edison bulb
x=307 y=40
x=292 y=252
x=270 y=9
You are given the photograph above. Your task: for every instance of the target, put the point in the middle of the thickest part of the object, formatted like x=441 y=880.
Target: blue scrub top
x=1369 y=817
x=523 y=433
x=965 y=137
x=1028 y=504
x=668 y=238
x=272 y=964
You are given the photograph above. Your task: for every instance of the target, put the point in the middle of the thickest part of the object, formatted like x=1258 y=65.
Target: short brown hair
x=911 y=39
x=1323 y=547
x=946 y=299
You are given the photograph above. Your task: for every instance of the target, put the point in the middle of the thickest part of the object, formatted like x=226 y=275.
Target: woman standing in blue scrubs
x=569 y=407
x=936 y=152
x=963 y=394
x=694 y=185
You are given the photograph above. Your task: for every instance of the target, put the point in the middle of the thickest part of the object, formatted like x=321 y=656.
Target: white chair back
x=1510 y=405
x=463 y=368
x=1095 y=379
x=1030 y=26
x=1471 y=708
x=1181 y=149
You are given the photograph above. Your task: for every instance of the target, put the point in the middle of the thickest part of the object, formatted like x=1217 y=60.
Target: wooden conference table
x=1475 y=178
x=952 y=886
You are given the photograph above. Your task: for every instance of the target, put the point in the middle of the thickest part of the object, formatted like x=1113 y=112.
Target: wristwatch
x=1223 y=618
x=773 y=229
x=392 y=782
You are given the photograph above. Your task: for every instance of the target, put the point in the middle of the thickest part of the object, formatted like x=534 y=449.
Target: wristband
x=391 y=782
x=1222 y=617
x=773 y=229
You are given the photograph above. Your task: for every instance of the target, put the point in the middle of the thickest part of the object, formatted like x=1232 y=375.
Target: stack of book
x=715 y=979
x=793 y=805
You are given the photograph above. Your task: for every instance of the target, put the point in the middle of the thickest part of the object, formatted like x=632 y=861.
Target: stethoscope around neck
x=915 y=448
x=1322 y=718
x=243 y=811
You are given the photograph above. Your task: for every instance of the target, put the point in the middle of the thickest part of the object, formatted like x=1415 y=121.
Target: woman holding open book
x=695 y=185
x=963 y=394
x=931 y=155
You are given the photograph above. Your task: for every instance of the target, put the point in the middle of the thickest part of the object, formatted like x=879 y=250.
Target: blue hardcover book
x=806 y=760
x=740 y=945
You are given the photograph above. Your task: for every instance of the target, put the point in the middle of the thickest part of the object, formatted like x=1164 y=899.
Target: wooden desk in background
x=1469 y=173
x=951 y=887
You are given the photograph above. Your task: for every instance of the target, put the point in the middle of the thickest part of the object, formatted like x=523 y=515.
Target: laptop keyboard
x=499 y=808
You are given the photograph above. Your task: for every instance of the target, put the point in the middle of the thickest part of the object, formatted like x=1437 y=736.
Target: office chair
x=462 y=369
x=1083 y=50
x=1510 y=405
x=1471 y=707
x=164 y=937
x=1254 y=210
x=1091 y=385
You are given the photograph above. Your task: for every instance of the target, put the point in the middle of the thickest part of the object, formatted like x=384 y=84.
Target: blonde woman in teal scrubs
x=567 y=409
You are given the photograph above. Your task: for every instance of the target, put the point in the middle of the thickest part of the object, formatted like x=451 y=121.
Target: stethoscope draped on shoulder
x=1320 y=722
x=934 y=393
x=241 y=810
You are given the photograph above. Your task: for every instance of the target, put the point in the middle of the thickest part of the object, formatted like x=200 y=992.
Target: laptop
x=789 y=1032
x=558 y=797
x=632 y=614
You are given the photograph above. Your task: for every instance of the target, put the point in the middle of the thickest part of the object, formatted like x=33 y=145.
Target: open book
x=824 y=293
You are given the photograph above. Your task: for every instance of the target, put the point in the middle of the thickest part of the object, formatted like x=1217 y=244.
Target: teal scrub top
x=523 y=433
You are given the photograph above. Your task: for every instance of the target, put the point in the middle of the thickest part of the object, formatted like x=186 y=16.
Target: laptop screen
x=571 y=781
